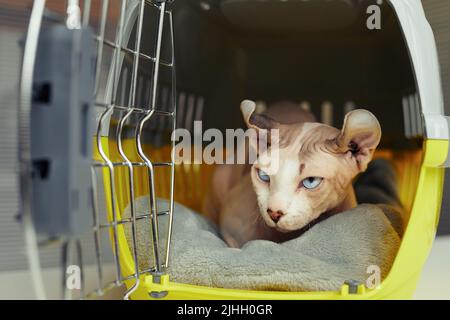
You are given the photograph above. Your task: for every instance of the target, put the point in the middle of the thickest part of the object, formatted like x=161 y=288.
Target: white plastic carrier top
x=422 y=49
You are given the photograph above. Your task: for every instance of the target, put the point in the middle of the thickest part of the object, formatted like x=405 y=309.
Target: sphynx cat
x=316 y=165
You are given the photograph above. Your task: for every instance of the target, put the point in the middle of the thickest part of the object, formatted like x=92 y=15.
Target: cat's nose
x=275 y=215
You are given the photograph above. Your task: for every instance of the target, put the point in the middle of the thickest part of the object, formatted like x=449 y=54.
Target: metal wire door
x=145 y=114
x=131 y=111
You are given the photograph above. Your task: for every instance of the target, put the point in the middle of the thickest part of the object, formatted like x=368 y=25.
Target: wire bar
x=86 y=12
x=133 y=220
x=174 y=123
x=107 y=112
x=135 y=110
x=119 y=143
x=95 y=219
x=112 y=284
x=152 y=198
x=135 y=164
x=133 y=52
x=98 y=67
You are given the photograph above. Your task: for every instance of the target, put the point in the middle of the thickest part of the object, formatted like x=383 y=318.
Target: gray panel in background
x=438 y=14
x=12 y=246
x=61 y=123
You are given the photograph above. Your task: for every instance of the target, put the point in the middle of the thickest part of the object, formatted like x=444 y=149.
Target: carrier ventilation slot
x=412 y=116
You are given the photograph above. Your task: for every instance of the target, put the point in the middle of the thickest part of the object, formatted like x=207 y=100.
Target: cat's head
x=316 y=165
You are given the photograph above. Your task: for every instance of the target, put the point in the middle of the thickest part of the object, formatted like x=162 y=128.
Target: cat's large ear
x=360 y=135
x=255 y=120
x=261 y=123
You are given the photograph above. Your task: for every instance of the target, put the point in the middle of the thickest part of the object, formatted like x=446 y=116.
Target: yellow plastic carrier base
x=421 y=184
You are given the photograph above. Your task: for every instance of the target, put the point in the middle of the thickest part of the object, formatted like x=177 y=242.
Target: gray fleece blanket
x=337 y=249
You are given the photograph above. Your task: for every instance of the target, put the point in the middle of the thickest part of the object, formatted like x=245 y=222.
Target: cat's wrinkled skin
x=246 y=207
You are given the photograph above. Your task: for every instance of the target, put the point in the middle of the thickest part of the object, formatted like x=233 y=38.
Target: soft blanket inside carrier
x=347 y=246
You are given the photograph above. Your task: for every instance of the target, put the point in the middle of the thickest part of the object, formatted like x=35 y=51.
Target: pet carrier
x=329 y=55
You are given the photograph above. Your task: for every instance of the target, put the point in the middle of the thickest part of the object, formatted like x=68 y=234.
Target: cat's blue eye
x=311 y=182
x=263 y=176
